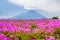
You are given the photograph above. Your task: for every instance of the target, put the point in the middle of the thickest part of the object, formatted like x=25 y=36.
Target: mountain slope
x=30 y=14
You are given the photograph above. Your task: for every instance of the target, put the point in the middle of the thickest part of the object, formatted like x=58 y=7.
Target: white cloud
x=48 y=5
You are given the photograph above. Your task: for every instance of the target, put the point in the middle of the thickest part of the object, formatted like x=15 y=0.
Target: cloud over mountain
x=47 y=5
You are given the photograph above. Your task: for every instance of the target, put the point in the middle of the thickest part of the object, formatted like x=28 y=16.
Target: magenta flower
x=49 y=38
x=32 y=38
x=3 y=37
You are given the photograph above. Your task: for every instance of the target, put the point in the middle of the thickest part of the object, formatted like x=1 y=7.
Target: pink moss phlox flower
x=49 y=38
x=35 y=30
x=20 y=29
x=3 y=37
x=27 y=30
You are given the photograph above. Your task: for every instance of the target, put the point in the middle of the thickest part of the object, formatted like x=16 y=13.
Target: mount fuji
x=29 y=14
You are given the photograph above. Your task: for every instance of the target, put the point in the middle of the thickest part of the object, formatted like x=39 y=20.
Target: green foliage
x=57 y=33
x=55 y=17
x=38 y=36
x=58 y=39
x=21 y=20
x=18 y=36
x=7 y=34
x=33 y=25
x=57 y=30
x=21 y=36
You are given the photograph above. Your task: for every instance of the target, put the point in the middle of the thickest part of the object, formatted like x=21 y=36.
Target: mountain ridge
x=29 y=14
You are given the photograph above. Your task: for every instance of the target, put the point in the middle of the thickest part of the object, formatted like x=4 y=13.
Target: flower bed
x=39 y=29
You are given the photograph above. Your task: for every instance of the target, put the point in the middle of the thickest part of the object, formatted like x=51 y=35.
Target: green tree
x=55 y=17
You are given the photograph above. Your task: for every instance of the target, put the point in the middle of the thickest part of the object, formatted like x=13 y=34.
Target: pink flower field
x=39 y=29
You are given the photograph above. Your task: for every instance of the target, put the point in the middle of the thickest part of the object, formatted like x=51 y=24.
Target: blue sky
x=8 y=9
x=11 y=8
